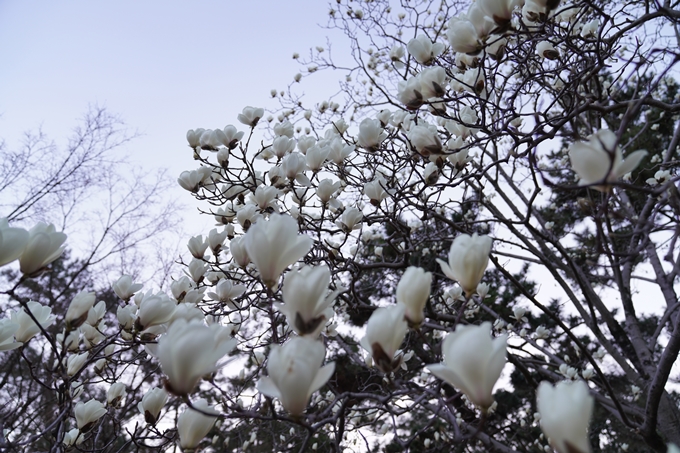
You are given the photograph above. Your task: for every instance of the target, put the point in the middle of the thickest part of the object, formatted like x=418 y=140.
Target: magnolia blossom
x=152 y=403
x=192 y=180
x=226 y=291
x=44 y=245
x=7 y=331
x=239 y=252
x=350 y=219
x=295 y=372
x=12 y=242
x=250 y=116
x=27 y=326
x=75 y=363
x=600 y=160
x=424 y=50
x=73 y=437
x=473 y=362
x=385 y=331
x=192 y=426
x=425 y=140
x=274 y=245
x=189 y=351
x=468 y=258
x=462 y=36
x=375 y=191
x=409 y=93
x=77 y=311
x=326 y=189
x=231 y=136
x=413 y=291
x=306 y=305
x=316 y=156
x=115 y=394
x=371 y=134
x=154 y=309
x=545 y=49
x=566 y=410
x=124 y=288
x=87 y=414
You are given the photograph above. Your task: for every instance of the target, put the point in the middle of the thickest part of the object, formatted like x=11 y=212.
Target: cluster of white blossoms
x=302 y=223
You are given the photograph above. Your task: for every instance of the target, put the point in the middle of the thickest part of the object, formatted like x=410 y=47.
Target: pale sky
x=163 y=66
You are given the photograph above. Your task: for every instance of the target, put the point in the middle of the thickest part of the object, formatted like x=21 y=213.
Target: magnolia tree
x=473 y=247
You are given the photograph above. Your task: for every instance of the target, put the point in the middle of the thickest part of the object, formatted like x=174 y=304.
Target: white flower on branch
x=87 y=414
x=27 y=326
x=78 y=309
x=413 y=291
x=115 y=394
x=468 y=258
x=75 y=363
x=250 y=116
x=192 y=425
x=189 y=351
x=125 y=288
x=274 y=245
x=600 y=160
x=12 y=242
x=565 y=411
x=350 y=220
x=154 y=309
x=424 y=50
x=371 y=134
x=473 y=362
x=152 y=403
x=385 y=331
x=462 y=36
x=44 y=245
x=7 y=331
x=295 y=372
x=307 y=305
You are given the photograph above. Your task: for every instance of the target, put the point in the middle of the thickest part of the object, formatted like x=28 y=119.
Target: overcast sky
x=164 y=66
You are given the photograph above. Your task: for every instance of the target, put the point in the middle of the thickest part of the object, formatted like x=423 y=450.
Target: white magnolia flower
x=413 y=291
x=462 y=36
x=566 y=410
x=154 y=309
x=375 y=191
x=473 y=362
x=424 y=50
x=7 y=331
x=197 y=246
x=410 y=93
x=231 y=136
x=27 y=327
x=192 y=425
x=425 y=140
x=125 y=288
x=295 y=372
x=192 y=180
x=75 y=363
x=307 y=305
x=545 y=49
x=350 y=220
x=152 y=403
x=326 y=189
x=44 y=245
x=239 y=252
x=250 y=116
x=316 y=156
x=600 y=160
x=78 y=310
x=226 y=292
x=73 y=437
x=12 y=242
x=189 y=351
x=115 y=394
x=96 y=313
x=468 y=258
x=385 y=331
x=274 y=245
x=371 y=134
x=87 y=414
